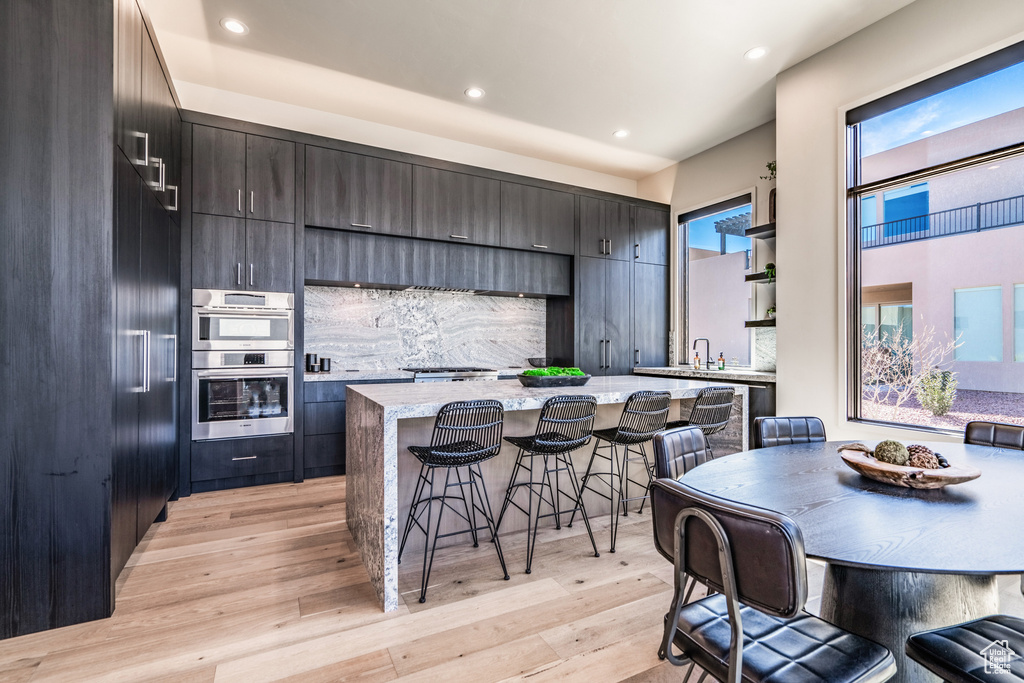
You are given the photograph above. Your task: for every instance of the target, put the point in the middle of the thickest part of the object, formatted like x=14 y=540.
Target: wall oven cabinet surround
x=536 y=218
x=241 y=394
x=245 y=254
x=240 y=175
x=455 y=207
x=358 y=192
x=242 y=321
x=604 y=229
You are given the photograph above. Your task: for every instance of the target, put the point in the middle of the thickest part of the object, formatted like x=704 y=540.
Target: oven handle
x=231 y=373
x=246 y=314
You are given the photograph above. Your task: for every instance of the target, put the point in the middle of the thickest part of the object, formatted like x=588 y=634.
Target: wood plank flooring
x=264 y=584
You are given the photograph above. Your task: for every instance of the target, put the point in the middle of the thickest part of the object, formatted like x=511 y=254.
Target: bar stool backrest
x=566 y=423
x=677 y=451
x=643 y=416
x=711 y=409
x=995 y=434
x=468 y=429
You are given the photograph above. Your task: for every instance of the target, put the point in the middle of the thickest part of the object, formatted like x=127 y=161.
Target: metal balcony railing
x=999 y=213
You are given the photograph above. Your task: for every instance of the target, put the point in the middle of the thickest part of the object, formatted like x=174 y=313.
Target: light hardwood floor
x=264 y=584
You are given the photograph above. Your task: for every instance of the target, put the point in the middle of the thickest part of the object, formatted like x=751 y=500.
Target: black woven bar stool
x=711 y=411
x=465 y=434
x=643 y=416
x=566 y=423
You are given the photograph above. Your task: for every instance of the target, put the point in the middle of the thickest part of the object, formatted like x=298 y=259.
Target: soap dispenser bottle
x=721 y=361
x=696 y=360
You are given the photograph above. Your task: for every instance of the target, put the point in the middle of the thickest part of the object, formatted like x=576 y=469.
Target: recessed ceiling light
x=475 y=92
x=621 y=133
x=755 y=53
x=234 y=26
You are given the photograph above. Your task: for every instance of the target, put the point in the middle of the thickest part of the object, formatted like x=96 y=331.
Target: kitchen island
x=382 y=420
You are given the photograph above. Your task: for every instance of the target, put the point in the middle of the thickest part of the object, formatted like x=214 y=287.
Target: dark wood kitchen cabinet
x=604 y=229
x=228 y=459
x=357 y=192
x=650 y=315
x=233 y=253
x=603 y=318
x=455 y=207
x=241 y=175
x=537 y=218
x=651 y=236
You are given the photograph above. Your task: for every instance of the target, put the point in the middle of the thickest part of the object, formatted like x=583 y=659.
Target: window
x=978 y=323
x=936 y=235
x=717 y=298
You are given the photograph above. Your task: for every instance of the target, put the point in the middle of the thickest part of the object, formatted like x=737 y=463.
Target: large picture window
x=935 y=204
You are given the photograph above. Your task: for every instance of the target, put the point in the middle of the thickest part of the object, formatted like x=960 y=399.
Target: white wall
x=921 y=40
x=722 y=172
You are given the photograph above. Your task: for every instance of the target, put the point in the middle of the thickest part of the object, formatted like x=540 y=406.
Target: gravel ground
x=992 y=406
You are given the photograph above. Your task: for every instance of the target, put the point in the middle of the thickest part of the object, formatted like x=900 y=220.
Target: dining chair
x=995 y=434
x=711 y=411
x=679 y=450
x=783 y=431
x=968 y=653
x=754 y=629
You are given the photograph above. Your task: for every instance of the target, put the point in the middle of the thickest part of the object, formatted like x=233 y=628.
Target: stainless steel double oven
x=243 y=365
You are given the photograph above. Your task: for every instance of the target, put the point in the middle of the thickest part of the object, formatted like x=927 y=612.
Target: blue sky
x=703 y=235
x=979 y=99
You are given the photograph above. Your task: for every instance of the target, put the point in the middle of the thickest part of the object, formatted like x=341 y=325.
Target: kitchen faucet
x=707 y=349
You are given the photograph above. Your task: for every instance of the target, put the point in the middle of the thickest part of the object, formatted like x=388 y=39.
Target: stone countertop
x=426 y=399
x=371 y=375
x=734 y=374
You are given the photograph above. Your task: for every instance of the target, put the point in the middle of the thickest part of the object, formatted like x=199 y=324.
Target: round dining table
x=898 y=560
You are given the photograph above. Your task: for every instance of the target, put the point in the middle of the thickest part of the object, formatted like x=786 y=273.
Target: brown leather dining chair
x=754 y=629
x=679 y=450
x=783 y=431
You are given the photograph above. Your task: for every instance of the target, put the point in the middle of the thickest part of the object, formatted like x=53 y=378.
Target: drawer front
x=316 y=392
x=241 y=457
x=324 y=450
x=324 y=418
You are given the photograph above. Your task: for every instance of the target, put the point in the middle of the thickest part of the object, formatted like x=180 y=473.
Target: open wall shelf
x=760 y=323
x=761 y=232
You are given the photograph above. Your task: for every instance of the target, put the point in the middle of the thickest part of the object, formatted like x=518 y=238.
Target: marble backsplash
x=378 y=329
x=764 y=349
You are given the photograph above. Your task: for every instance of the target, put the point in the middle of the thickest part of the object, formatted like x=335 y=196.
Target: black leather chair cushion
x=677 y=451
x=804 y=649
x=782 y=431
x=954 y=652
x=995 y=434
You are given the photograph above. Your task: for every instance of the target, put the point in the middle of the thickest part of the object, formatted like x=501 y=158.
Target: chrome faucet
x=707 y=349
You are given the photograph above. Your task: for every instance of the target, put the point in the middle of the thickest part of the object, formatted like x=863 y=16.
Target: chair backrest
x=677 y=451
x=782 y=431
x=995 y=434
x=763 y=564
x=712 y=408
x=566 y=422
x=643 y=416
x=469 y=428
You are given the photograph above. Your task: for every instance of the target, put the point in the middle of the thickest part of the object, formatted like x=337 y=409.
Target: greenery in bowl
x=554 y=372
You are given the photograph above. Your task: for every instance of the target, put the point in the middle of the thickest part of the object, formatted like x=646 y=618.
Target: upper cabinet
x=233 y=253
x=538 y=219
x=651 y=236
x=357 y=192
x=246 y=176
x=455 y=207
x=604 y=229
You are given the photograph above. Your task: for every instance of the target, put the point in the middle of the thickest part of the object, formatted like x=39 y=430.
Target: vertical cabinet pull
x=608 y=349
x=238 y=274
x=146 y=337
x=636 y=357
x=252 y=201
x=173 y=339
x=600 y=353
x=144 y=159
x=174 y=206
x=636 y=251
x=252 y=275
x=239 y=206
x=609 y=250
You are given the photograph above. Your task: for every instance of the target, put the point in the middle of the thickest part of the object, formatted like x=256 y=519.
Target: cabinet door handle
x=146 y=337
x=361 y=225
x=239 y=205
x=636 y=358
x=609 y=251
x=540 y=246
x=636 y=251
x=158 y=184
x=248 y=457
x=252 y=201
x=238 y=275
x=602 y=245
x=459 y=237
x=600 y=353
x=252 y=275
x=163 y=176
x=608 y=350
x=173 y=338
x=144 y=159
x=173 y=207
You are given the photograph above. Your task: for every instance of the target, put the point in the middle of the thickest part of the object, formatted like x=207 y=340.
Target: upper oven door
x=217 y=330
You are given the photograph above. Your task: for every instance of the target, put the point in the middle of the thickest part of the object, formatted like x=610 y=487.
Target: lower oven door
x=231 y=403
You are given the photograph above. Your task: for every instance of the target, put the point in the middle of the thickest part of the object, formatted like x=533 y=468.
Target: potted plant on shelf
x=771 y=193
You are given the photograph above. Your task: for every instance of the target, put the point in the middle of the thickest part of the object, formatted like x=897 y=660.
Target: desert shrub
x=936 y=391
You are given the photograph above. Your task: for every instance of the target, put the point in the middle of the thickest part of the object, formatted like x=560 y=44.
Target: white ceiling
x=560 y=75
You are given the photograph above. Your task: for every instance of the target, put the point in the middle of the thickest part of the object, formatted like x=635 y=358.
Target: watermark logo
x=998 y=656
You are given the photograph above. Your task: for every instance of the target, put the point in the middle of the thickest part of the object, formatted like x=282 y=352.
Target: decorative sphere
x=892 y=452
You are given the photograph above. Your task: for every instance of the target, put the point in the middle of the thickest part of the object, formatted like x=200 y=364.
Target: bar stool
x=566 y=423
x=643 y=416
x=711 y=411
x=466 y=433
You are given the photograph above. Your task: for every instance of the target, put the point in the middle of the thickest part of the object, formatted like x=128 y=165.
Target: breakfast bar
x=382 y=420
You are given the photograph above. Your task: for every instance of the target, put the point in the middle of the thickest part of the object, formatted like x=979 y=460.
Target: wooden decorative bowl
x=902 y=475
